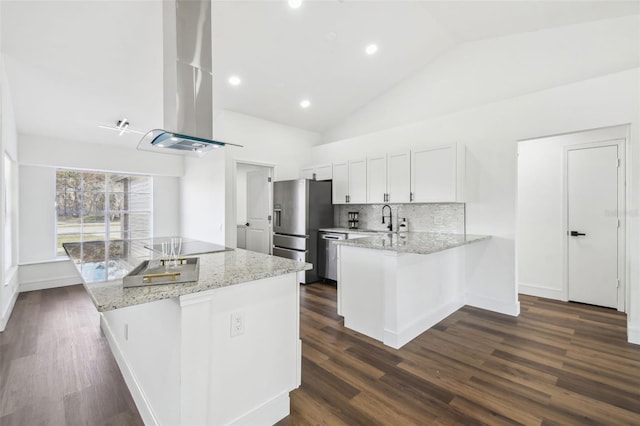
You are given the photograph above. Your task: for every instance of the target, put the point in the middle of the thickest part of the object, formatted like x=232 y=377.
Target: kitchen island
x=393 y=287
x=224 y=349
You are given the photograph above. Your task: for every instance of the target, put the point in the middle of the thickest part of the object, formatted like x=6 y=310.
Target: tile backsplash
x=431 y=217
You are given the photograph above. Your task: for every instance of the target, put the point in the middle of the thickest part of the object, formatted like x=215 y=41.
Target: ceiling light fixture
x=371 y=49
x=234 y=80
x=305 y=103
x=294 y=4
x=122 y=127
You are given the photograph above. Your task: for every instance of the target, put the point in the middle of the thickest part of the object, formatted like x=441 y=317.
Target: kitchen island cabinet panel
x=224 y=349
x=393 y=287
x=183 y=366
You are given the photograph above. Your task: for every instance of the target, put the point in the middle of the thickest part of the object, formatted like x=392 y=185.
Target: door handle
x=246 y=224
x=576 y=234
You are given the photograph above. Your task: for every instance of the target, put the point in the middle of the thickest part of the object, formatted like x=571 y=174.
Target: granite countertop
x=413 y=242
x=102 y=266
x=352 y=231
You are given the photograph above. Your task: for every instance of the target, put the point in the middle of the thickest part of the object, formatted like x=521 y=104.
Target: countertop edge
x=377 y=242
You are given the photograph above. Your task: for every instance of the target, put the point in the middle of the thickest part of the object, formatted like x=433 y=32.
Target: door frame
x=272 y=173
x=622 y=229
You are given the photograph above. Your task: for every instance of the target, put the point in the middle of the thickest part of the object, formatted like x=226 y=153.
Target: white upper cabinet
x=389 y=178
x=358 y=181
x=324 y=171
x=318 y=172
x=350 y=182
x=340 y=185
x=307 y=172
x=377 y=179
x=399 y=177
x=434 y=174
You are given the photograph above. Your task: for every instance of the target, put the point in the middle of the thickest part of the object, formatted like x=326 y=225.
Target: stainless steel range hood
x=188 y=82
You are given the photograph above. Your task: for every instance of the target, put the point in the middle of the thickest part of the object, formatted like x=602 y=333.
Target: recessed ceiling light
x=294 y=4
x=371 y=49
x=305 y=103
x=234 y=80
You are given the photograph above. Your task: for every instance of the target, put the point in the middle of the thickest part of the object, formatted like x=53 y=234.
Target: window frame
x=105 y=210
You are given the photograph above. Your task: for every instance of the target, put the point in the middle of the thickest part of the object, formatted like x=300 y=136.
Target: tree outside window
x=96 y=206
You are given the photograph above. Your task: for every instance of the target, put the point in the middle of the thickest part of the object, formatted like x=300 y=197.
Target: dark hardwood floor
x=56 y=367
x=557 y=363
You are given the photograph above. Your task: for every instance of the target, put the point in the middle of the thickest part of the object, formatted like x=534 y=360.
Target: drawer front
x=300 y=256
x=290 y=242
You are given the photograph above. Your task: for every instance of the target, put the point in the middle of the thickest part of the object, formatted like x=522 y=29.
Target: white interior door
x=258 y=223
x=592 y=202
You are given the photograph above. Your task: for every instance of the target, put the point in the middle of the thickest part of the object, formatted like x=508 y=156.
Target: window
x=95 y=206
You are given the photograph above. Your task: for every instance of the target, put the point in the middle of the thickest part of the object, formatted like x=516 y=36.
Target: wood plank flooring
x=56 y=367
x=557 y=363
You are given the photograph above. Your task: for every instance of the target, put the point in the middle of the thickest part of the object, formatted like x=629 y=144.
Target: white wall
x=491 y=93
x=477 y=73
x=241 y=195
x=166 y=206
x=43 y=151
x=539 y=222
x=540 y=227
x=490 y=133
x=206 y=192
x=8 y=145
x=39 y=157
x=202 y=198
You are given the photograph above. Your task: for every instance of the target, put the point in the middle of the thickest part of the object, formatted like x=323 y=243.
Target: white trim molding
x=540 y=290
x=494 y=305
x=44 y=275
x=633 y=334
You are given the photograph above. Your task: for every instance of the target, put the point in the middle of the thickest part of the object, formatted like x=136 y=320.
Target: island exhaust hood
x=187 y=82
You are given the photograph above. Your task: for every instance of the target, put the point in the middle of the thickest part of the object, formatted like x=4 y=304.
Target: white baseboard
x=633 y=334
x=541 y=291
x=4 y=319
x=268 y=413
x=144 y=407
x=422 y=324
x=494 y=305
x=49 y=283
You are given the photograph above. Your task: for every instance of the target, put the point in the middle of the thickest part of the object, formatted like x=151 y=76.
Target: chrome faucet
x=390 y=226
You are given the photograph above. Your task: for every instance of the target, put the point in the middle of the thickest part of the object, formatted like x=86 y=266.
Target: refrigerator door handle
x=277 y=217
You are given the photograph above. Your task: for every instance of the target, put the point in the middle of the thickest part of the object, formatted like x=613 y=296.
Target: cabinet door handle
x=411 y=196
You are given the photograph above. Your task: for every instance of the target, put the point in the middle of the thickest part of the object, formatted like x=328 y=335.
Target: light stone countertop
x=217 y=270
x=413 y=242
x=352 y=231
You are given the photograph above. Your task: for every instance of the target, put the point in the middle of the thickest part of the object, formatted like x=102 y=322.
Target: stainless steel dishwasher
x=328 y=254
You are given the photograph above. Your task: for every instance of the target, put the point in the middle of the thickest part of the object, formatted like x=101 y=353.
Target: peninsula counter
x=393 y=287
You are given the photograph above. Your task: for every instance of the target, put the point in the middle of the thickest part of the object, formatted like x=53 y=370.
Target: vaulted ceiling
x=73 y=65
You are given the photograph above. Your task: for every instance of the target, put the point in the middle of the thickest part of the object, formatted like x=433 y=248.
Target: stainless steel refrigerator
x=300 y=208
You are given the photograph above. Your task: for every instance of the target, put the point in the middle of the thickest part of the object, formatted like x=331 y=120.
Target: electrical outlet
x=437 y=220
x=237 y=323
